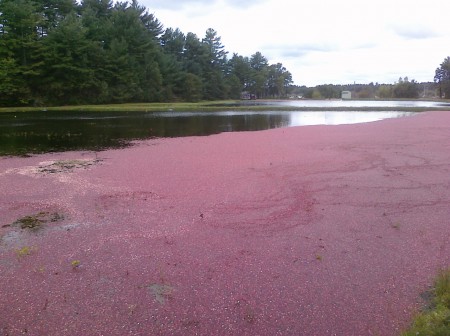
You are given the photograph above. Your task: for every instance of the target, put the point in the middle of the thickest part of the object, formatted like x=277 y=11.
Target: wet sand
x=317 y=230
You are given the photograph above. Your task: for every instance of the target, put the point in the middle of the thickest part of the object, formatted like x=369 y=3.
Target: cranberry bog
x=317 y=230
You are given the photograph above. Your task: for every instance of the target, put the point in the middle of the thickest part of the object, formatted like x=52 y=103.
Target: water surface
x=339 y=103
x=37 y=132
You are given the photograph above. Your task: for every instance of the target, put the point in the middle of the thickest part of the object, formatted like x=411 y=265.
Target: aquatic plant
x=30 y=222
x=24 y=251
x=67 y=165
x=75 y=264
x=396 y=225
x=435 y=320
x=36 y=222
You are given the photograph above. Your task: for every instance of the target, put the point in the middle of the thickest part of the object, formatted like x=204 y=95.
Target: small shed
x=346 y=95
x=248 y=96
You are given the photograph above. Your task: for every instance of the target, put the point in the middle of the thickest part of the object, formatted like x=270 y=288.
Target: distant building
x=248 y=96
x=346 y=95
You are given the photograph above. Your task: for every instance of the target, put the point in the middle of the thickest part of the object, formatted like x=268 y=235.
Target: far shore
x=214 y=106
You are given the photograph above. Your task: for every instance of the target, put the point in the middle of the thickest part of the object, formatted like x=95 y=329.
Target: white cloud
x=416 y=31
x=324 y=41
x=184 y=4
x=173 y=5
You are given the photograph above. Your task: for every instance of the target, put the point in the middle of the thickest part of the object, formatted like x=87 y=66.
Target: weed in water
x=40 y=269
x=396 y=225
x=131 y=308
x=24 y=251
x=37 y=221
x=30 y=222
x=56 y=217
x=75 y=264
x=67 y=166
x=161 y=292
x=436 y=320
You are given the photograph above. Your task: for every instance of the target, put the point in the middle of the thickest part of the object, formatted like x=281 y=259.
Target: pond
x=39 y=132
x=339 y=103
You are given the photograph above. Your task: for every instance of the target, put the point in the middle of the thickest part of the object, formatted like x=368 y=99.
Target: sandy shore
x=318 y=230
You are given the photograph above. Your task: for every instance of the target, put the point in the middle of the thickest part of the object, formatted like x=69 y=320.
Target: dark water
x=38 y=132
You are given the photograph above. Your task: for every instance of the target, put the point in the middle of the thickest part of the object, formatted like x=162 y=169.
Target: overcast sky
x=327 y=41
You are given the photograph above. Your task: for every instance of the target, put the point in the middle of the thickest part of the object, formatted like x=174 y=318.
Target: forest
x=64 y=52
x=68 y=52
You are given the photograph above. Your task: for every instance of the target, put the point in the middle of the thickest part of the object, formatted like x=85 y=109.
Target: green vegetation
x=442 y=78
x=24 y=251
x=68 y=52
x=33 y=222
x=402 y=89
x=212 y=106
x=75 y=264
x=36 y=222
x=132 y=107
x=436 y=320
x=57 y=52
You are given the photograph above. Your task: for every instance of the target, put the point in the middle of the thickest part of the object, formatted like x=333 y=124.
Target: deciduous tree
x=405 y=88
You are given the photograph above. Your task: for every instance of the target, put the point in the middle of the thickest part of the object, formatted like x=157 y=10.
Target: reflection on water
x=340 y=118
x=329 y=104
x=37 y=132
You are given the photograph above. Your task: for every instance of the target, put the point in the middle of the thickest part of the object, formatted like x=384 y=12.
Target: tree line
x=55 y=52
x=403 y=88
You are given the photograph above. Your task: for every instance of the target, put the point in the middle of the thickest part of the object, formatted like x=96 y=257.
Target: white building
x=346 y=95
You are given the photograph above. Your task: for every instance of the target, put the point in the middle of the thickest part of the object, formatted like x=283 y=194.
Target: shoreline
x=229 y=105
x=315 y=230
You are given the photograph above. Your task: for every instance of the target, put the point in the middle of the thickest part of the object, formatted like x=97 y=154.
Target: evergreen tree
x=67 y=74
x=240 y=67
x=100 y=51
x=195 y=56
x=278 y=81
x=173 y=43
x=213 y=76
x=52 y=12
x=133 y=57
x=216 y=50
x=193 y=88
x=259 y=83
x=442 y=78
x=233 y=86
x=19 y=42
x=171 y=63
x=13 y=90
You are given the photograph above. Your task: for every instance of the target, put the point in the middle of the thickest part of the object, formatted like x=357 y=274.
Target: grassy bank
x=210 y=106
x=435 y=320
x=141 y=107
